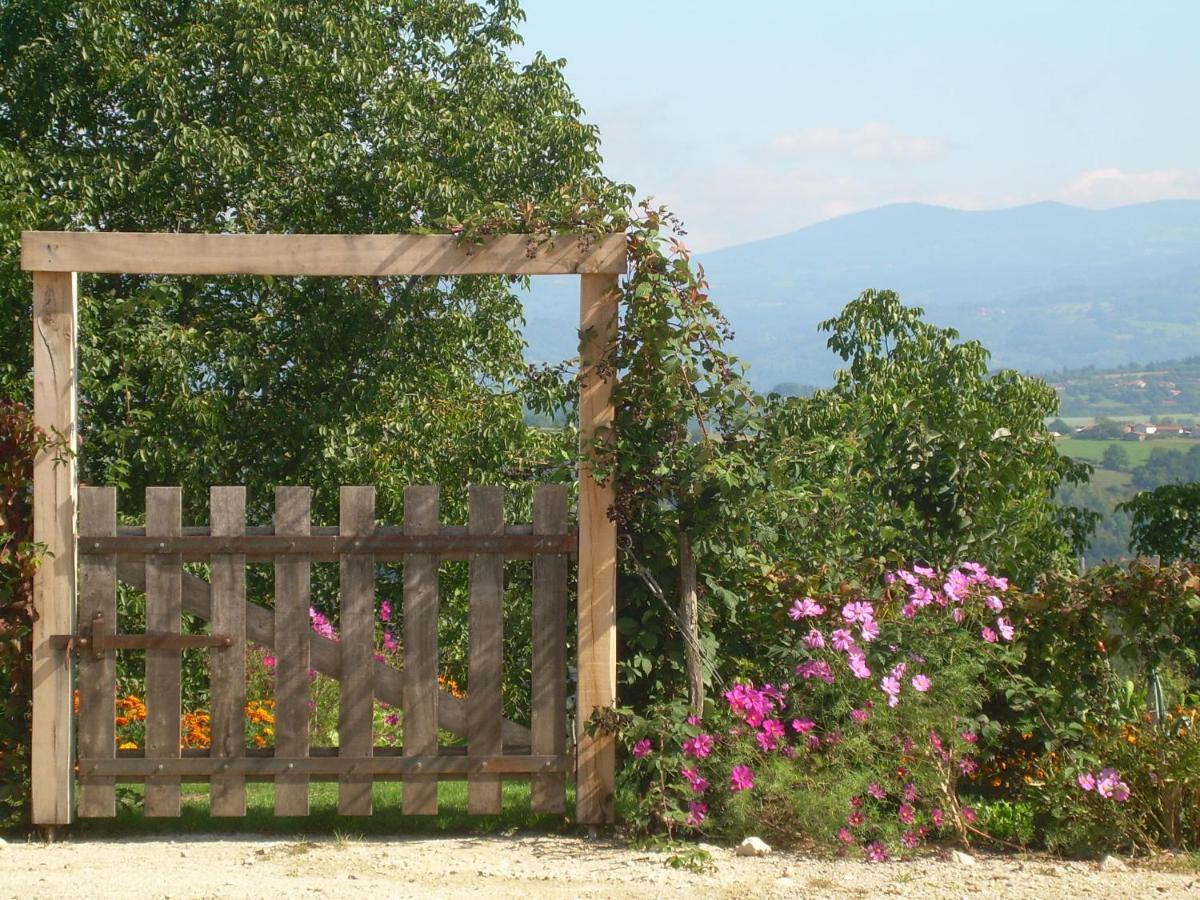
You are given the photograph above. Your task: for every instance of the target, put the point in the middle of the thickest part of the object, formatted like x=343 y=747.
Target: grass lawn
x=1139 y=451
x=324 y=820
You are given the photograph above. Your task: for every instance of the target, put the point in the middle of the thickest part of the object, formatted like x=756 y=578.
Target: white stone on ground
x=753 y=846
x=961 y=859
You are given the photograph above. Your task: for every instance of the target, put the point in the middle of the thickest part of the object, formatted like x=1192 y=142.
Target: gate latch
x=96 y=639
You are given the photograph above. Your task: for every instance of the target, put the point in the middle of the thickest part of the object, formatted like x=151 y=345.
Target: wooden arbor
x=56 y=258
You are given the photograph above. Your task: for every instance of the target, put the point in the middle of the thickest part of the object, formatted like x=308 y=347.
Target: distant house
x=1167 y=429
x=1145 y=430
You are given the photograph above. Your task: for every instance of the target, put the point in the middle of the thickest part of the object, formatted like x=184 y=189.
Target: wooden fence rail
x=495 y=748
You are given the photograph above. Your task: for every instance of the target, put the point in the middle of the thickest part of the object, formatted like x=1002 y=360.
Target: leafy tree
x=954 y=463
x=1115 y=457
x=255 y=116
x=1166 y=522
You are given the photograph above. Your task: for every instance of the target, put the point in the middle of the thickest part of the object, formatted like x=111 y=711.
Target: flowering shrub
x=864 y=740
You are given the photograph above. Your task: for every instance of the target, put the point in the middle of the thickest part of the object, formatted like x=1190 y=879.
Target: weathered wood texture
x=486 y=660
x=597 y=668
x=385 y=545
x=378 y=766
x=97 y=674
x=319 y=254
x=356 y=700
x=548 y=728
x=293 y=631
x=227 y=665
x=420 y=649
x=55 y=379
x=163 y=667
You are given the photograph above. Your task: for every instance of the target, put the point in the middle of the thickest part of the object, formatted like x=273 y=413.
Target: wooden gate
x=56 y=259
x=152 y=558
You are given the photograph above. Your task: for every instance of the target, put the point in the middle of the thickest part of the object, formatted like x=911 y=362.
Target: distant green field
x=1139 y=451
x=1107 y=479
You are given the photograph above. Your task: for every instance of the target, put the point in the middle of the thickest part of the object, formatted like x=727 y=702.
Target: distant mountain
x=1043 y=286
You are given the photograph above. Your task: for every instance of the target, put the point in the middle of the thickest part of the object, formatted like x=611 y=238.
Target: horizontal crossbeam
x=320 y=254
x=382 y=545
x=379 y=766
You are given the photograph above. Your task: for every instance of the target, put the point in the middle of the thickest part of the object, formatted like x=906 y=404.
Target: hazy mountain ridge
x=1043 y=286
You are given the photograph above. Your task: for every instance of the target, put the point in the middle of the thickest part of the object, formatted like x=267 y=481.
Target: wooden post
x=689 y=624
x=55 y=388
x=597 y=666
x=227 y=665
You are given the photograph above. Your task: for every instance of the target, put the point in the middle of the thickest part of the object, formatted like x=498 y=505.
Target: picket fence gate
x=152 y=558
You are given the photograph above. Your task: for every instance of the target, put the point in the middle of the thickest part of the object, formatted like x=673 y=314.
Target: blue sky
x=754 y=118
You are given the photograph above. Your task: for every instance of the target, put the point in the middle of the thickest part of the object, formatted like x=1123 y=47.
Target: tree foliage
x=1166 y=522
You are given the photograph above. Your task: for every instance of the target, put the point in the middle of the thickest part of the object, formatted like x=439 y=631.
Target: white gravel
x=528 y=867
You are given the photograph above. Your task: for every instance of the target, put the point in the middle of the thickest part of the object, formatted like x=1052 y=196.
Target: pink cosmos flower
x=970 y=737
x=1120 y=792
x=921 y=683
x=994 y=603
x=987 y=634
x=321 y=625
x=924 y=571
x=967 y=765
x=269 y=662
x=698 y=747
x=814 y=742
x=814 y=639
x=858 y=666
x=939 y=818
x=385 y=611
x=869 y=630
x=741 y=778
x=379 y=657
x=845 y=836
x=968 y=813
x=908 y=611
x=770 y=736
x=815 y=668
x=920 y=597
x=855 y=819
x=876 y=790
x=803 y=726
x=958 y=615
x=841 y=639
x=907 y=577
x=697 y=813
x=891 y=686
x=642 y=748
x=389 y=641
x=1086 y=781
x=806 y=608
x=876 y=852
x=693 y=720
x=910 y=840
x=1107 y=781
x=392 y=719
x=906 y=813
x=1005 y=628
x=856 y=801
x=858 y=611
x=789 y=752
x=698 y=783
x=910 y=792
x=859 y=716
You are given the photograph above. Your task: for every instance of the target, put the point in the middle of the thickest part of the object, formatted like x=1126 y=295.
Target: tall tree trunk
x=689 y=622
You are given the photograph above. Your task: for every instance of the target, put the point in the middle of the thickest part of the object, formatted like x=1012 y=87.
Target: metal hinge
x=97 y=640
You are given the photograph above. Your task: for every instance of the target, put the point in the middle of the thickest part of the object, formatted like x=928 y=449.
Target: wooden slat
x=356 y=700
x=163 y=613
x=597 y=667
x=326 y=655
x=424 y=767
x=328 y=548
x=420 y=648
x=548 y=728
x=55 y=388
x=227 y=665
x=293 y=628
x=97 y=675
x=318 y=254
x=486 y=653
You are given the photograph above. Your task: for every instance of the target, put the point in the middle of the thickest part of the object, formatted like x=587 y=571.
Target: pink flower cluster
x=1107 y=783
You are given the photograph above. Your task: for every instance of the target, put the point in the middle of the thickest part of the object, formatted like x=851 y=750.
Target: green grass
x=387 y=818
x=1111 y=480
x=1139 y=451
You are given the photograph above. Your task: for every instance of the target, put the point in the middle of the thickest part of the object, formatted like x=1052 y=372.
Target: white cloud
x=1114 y=187
x=873 y=141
